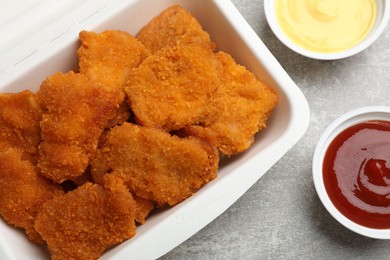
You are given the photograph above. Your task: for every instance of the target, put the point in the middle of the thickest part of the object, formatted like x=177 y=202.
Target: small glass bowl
x=383 y=16
x=340 y=124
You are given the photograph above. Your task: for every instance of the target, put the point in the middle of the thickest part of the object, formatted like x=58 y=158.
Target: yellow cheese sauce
x=326 y=26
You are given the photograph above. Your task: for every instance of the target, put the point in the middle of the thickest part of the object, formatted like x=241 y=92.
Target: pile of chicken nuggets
x=141 y=124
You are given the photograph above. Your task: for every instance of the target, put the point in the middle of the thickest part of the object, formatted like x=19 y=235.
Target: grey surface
x=281 y=216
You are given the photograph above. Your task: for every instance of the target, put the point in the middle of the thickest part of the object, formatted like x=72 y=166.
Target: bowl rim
x=346 y=120
x=376 y=31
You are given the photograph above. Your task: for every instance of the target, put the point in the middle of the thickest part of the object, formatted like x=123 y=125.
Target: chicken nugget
x=23 y=191
x=20 y=115
x=84 y=222
x=241 y=108
x=155 y=165
x=107 y=57
x=173 y=26
x=76 y=111
x=142 y=209
x=172 y=88
x=122 y=115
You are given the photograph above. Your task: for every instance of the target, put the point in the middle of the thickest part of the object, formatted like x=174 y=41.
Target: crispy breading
x=108 y=56
x=242 y=106
x=142 y=209
x=84 y=222
x=171 y=89
x=155 y=165
x=76 y=111
x=20 y=115
x=173 y=26
x=23 y=192
x=122 y=114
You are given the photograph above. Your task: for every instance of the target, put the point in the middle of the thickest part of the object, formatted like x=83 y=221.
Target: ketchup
x=356 y=172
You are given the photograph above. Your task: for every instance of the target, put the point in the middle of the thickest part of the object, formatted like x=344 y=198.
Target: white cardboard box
x=43 y=39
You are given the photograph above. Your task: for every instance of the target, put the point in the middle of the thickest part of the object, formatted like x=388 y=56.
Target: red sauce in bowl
x=356 y=173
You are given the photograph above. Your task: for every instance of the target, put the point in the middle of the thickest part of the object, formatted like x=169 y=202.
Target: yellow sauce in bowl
x=326 y=26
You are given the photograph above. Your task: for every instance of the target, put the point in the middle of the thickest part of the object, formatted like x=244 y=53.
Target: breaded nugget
x=173 y=26
x=171 y=89
x=107 y=57
x=76 y=111
x=23 y=191
x=20 y=115
x=122 y=114
x=242 y=106
x=142 y=209
x=84 y=222
x=155 y=165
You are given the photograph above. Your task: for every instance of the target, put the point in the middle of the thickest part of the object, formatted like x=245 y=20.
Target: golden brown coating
x=142 y=209
x=84 y=222
x=107 y=57
x=23 y=192
x=155 y=165
x=242 y=106
x=122 y=115
x=173 y=26
x=171 y=89
x=20 y=115
x=76 y=111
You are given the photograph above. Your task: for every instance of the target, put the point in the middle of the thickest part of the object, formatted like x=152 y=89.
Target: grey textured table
x=281 y=216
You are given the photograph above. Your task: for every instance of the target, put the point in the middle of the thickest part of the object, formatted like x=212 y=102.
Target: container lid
x=27 y=26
